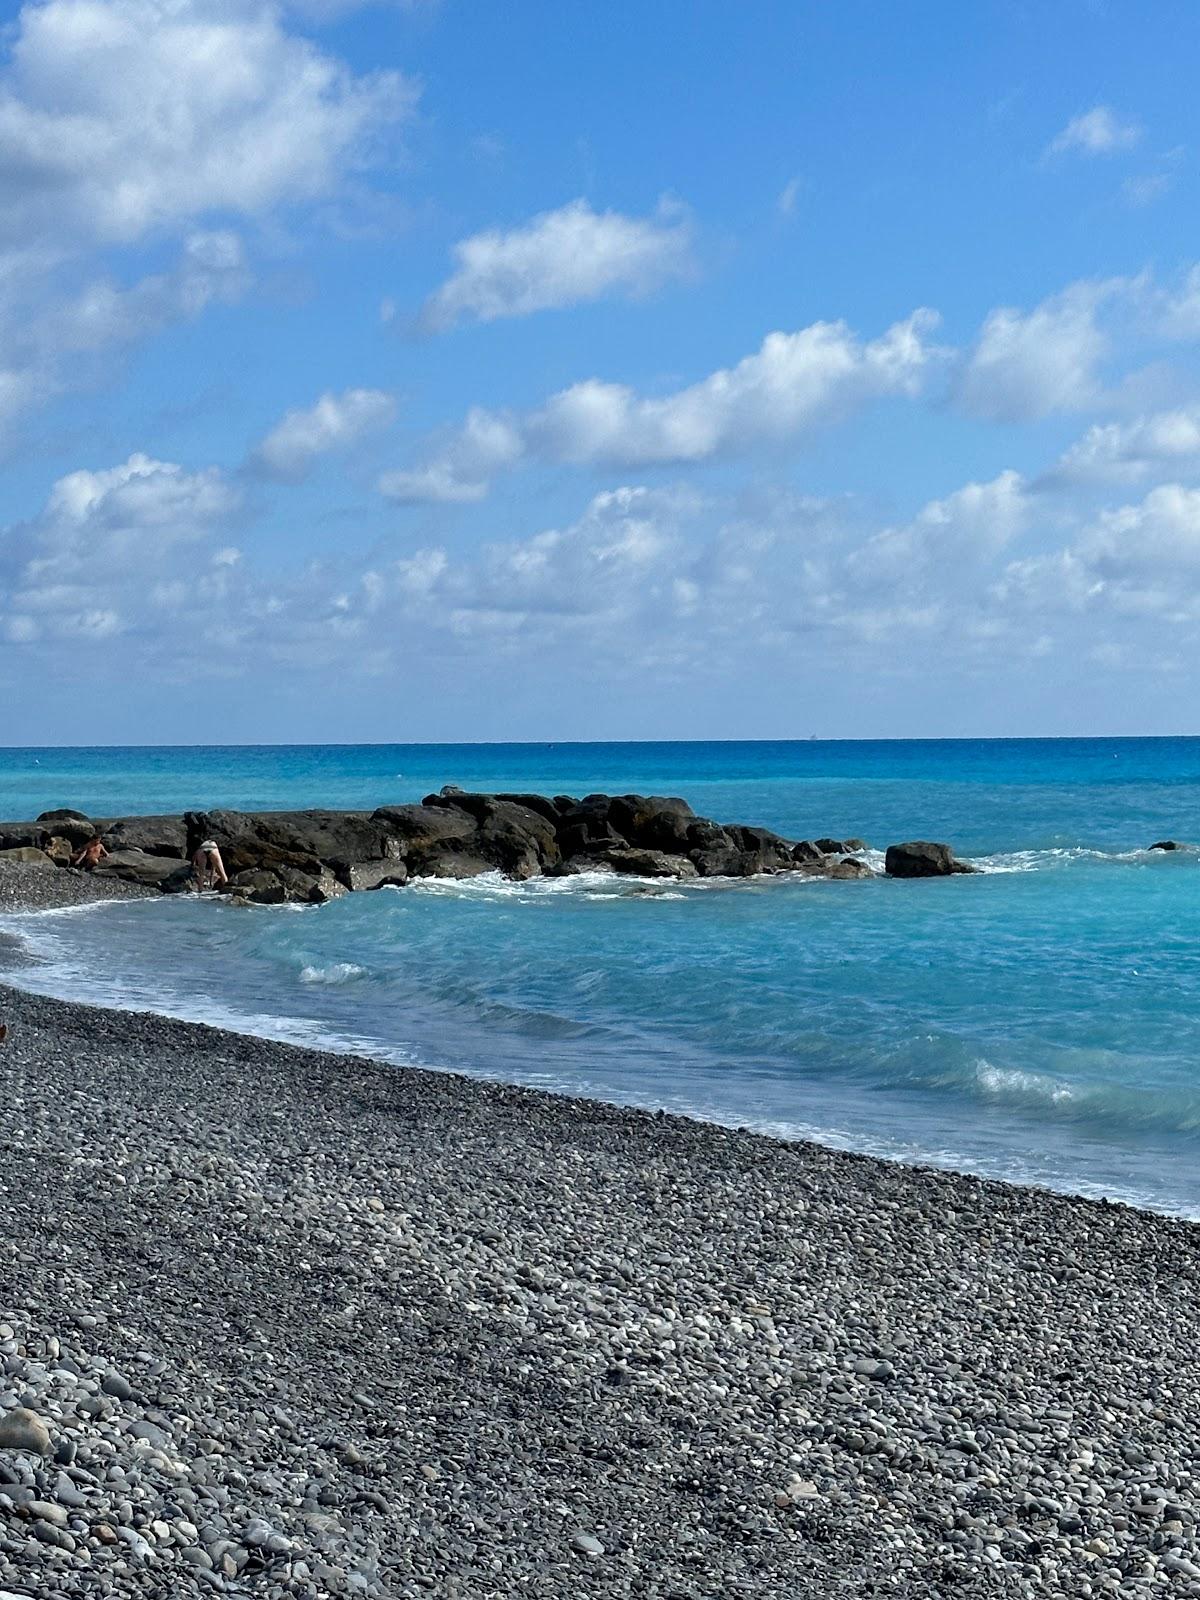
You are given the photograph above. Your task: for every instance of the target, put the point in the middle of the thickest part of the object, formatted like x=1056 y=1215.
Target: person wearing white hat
x=208 y=870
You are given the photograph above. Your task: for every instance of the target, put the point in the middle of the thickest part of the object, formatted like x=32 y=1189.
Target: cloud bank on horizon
x=653 y=437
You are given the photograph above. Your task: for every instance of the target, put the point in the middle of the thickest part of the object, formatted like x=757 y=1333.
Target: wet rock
x=920 y=858
x=376 y=874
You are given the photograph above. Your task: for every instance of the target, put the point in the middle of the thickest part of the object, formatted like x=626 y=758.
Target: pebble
x=21 y=1429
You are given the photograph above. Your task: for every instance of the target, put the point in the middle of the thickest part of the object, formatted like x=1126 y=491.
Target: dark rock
x=454 y=864
x=426 y=833
x=521 y=840
x=806 y=850
x=259 y=886
x=156 y=836
x=650 y=863
x=652 y=822
x=767 y=850
x=831 y=847
x=535 y=802
x=77 y=828
x=855 y=845
x=849 y=867
x=135 y=866
x=1168 y=844
x=920 y=858
x=64 y=814
x=377 y=874
x=22 y=835
x=587 y=823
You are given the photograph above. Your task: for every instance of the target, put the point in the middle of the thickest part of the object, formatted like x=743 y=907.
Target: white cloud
x=965 y=528
x=560 y=258
x=335 y=422
x=1139 y=561
x=1097 y=132
x=1153 y=540
x=105 y=539
x=793 y=383
x=125 y=122
x=1124 y=452
x=461 y=471
x=1026 y=365
x=118 y=117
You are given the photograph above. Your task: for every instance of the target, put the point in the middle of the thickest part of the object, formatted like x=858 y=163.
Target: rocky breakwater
x=314 y=856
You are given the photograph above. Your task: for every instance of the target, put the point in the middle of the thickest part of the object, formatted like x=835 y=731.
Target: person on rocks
x=208 y=870
x=90 y=856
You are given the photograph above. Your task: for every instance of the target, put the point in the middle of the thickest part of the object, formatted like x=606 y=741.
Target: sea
x=1037 y=1022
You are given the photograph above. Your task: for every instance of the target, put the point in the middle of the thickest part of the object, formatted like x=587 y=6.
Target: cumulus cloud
x=964 y=528
x=110 y=542
x=1028 y=364
x=1140 y=560
x=1116 y=452
x=119 y=117
x=560 y=258
x=1098 y=132
x=793 y=383
x=335 y=422
x=133 y=122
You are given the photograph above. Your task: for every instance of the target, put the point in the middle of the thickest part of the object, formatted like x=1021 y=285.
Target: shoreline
x=334 y=1327
x=28 y=890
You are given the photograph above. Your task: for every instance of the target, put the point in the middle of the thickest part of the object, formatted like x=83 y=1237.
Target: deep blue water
x=1039 y=1022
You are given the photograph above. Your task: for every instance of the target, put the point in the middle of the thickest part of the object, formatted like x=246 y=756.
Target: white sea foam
x=1012 y=1081
x=340 y=972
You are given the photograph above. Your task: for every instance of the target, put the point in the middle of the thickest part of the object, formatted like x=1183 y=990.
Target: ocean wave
x=1056 y=857
x=338 y=973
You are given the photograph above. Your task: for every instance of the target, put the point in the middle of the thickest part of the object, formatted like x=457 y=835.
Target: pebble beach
x=280 y=1323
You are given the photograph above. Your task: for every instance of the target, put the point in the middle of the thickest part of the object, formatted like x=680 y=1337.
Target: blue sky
x=432 y=370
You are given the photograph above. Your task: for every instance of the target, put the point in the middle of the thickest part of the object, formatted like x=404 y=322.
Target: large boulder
x=259 y=886
x=848 y=867
x=22 y=835
x=27 y=855
x=920 y=858
x=156 y=836
x=767 y=850
x=1168 y=844
x=429 y=834
x=521 y=840
x=377 y=874
x=152 y=872
x=63 y=814
x=649 y=863
x=244 y=845
x=535 y=802
x=73 y=826
x=587 y=826
x=652 y=822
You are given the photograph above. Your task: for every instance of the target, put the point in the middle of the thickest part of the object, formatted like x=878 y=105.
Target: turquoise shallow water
x=1039 y=1022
